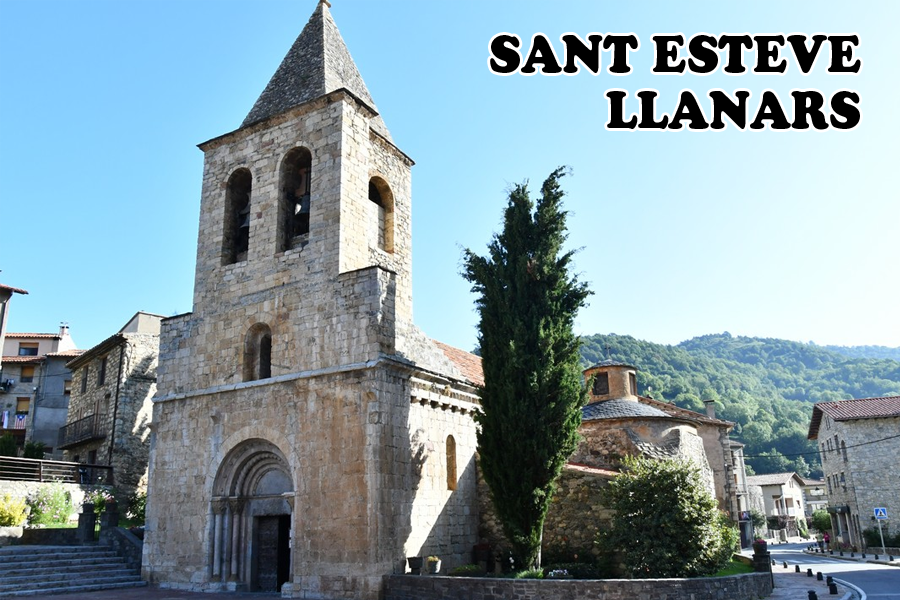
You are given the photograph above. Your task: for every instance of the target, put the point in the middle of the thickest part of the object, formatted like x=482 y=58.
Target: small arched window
x=451 y=463
x=296 y=173
x=236 y=234
x=258 y=353
x=383 y=213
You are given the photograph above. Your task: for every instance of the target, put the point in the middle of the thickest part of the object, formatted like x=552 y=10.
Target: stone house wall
x=123 y=407
x=868 y=472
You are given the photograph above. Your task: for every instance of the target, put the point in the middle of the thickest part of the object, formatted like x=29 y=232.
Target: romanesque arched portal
x=251 y=509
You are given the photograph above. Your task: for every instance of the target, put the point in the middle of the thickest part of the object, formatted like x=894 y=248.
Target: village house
x=35 y=385
x=858 y=445
x=110 y=407
x=783 y=502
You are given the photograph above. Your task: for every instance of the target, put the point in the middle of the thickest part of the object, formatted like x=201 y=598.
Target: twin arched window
x=258 y=353
x=294 y=209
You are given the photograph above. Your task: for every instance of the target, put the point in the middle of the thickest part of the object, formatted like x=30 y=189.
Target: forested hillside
x=766 y=386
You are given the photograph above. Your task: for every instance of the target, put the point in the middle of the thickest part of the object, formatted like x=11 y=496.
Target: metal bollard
x=852 y=555
x=864 y=555
x=819 y=576
x=812 y=595
x=829 y=580
x=809 y=573
x=832 y=588
x=796 y=568
x=784 y=564
x=891 y=558
x=876 y=557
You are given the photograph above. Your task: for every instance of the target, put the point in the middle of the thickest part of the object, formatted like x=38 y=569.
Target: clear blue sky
x=791 y=235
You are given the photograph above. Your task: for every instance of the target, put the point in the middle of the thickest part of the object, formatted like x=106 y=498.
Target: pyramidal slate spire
x=317 y=64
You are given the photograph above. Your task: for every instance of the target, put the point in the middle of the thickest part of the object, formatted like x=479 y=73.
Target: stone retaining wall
x=739 y=587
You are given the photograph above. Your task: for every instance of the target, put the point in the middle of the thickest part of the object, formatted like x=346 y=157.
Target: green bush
x=801 y=527
x=682 y=534
x=137 y=507
x=8 y=445
x=34 y=450
x=821 y=520
x=467 y=571
x=12 y=512
x=873 y=539
x=50 y=505
x=99 y=498
x=529 y=574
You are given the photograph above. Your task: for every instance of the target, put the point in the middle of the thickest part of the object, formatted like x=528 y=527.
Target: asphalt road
x=879 y=582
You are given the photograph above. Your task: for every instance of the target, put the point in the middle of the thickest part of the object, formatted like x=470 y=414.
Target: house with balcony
x=110 y=408
x=35 y=385
x=814 y=495
x=782 y=498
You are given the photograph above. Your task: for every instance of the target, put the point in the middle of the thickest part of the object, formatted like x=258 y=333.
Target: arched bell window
x=383 y=213
x=258 y=353
x=296 y=175
x=236 y=234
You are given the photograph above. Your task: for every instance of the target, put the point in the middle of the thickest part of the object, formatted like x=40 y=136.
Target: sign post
x=881 y=515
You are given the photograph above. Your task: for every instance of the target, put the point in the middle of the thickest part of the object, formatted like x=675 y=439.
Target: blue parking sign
x=880 y=513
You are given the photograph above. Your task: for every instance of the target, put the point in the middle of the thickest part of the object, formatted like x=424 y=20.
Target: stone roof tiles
x=619 y=409
x=612 y=363
x=317 y=64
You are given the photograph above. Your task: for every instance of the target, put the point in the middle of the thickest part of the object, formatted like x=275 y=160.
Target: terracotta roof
x=772 y=479
x=43 y=336
x=849 y=410
x=24 y=360
x=677 y=411
x=466 y=362
x=67 y=353
x=12 y=289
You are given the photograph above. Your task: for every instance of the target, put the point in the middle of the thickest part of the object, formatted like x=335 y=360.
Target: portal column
x=237 y=507
x=219 y=507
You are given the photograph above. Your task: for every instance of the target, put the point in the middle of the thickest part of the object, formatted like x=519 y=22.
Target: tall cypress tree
x=533 y=392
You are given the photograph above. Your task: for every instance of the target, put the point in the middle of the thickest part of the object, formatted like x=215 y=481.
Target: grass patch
x=734 y=568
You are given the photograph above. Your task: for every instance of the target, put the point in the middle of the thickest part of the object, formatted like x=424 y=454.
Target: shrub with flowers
x=50 y=505
x=99 y=498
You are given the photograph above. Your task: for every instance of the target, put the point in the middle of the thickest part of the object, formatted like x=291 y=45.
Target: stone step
x=67 y=562
x=114 y=570
x=74 y=589
x=30 y=570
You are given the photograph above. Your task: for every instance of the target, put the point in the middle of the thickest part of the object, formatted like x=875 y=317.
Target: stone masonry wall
x=868 y=470
x=741 y=587
x=123 y=407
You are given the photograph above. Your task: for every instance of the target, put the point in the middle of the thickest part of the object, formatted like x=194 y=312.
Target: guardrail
x=30 y=469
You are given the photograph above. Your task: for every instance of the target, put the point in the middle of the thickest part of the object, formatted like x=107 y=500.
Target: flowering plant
x=558 y=574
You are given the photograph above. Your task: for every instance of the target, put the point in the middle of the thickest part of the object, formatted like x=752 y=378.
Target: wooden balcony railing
x=82 y=430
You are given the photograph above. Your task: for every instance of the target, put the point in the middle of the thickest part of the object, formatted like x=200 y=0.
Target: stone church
x=307 y=437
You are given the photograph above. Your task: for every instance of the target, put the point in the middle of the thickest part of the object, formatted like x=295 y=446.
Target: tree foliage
x=666 y=523
x=821 y=520
x=8 y=445
x=533 y=392
x=765 y=386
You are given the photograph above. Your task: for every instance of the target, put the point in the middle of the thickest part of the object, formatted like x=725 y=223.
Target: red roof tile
x=23 y=359
x=67 y=353
x=43 y=336
x=849 y=410
x=466 y=362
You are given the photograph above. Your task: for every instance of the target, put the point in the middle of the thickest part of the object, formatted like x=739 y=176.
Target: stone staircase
x=33 y=570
